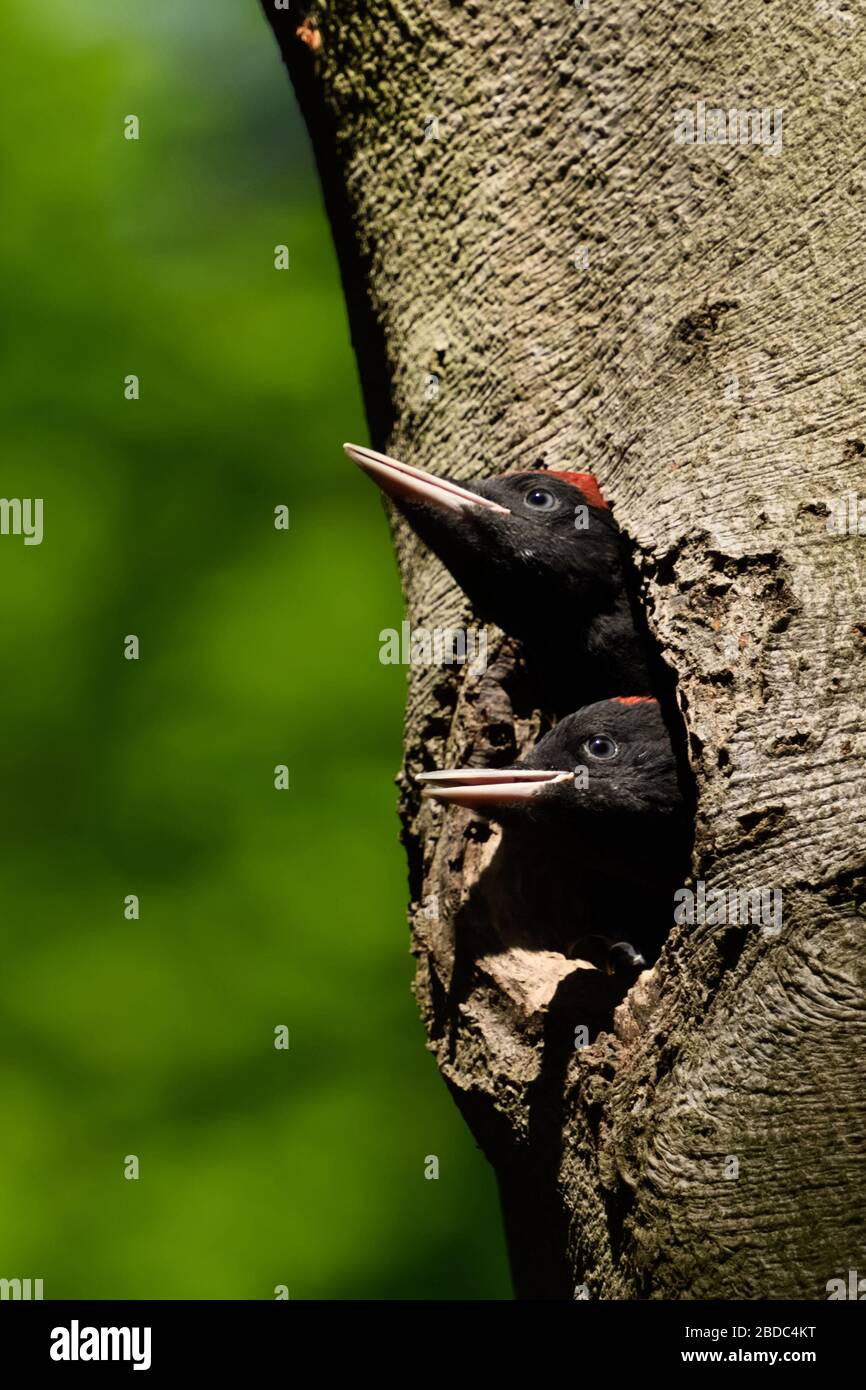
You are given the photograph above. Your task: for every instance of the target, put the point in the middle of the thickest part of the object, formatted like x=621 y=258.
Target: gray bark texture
x=514 y=217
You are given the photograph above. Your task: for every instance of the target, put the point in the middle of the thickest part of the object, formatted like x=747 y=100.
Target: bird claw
x=618 y=958
x=623 y=959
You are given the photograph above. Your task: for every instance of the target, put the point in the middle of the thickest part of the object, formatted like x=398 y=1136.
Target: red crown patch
x=585 y=481
x=588 y=486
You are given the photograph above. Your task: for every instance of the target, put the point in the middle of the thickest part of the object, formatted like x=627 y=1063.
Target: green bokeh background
x=258 y=1167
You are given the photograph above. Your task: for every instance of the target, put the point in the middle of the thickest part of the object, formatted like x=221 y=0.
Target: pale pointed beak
x=484 y=788
x=405 y=484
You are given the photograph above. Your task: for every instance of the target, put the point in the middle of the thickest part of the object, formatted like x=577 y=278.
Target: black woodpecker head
x=507 y=540
x=540 y=555
x=595 y=832
x=599 y=770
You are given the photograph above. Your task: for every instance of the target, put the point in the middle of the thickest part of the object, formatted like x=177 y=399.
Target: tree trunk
x=515 y=218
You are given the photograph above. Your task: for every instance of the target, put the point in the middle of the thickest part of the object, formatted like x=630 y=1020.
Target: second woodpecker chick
x=594 y=834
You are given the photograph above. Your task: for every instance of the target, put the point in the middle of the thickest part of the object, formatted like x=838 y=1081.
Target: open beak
x=486 y=788
x=404 y=484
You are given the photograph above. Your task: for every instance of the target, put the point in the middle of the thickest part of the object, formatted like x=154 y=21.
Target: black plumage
x=595 y=834
x=540 y=555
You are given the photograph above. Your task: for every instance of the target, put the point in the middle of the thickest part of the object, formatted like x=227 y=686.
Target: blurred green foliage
x=258 y=647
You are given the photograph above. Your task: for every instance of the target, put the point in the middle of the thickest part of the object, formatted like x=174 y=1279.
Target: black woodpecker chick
x=594 y=834
x=540 y=555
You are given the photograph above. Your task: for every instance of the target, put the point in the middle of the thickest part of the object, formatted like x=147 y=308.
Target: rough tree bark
x=514 y=217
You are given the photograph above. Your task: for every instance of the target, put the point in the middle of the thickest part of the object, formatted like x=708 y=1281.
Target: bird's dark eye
x=540 y=500
x=601 y=746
